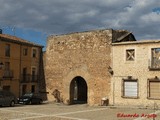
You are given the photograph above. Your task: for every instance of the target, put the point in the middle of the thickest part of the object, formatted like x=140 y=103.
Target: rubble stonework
x=86 y=55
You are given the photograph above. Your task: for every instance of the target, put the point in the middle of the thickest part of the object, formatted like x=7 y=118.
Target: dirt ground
x=52 y=111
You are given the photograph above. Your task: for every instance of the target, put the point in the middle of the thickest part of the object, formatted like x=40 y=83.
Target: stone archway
x=78 y=91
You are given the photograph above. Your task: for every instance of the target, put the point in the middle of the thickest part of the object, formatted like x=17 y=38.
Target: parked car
x=30 y=98
x=7 y=98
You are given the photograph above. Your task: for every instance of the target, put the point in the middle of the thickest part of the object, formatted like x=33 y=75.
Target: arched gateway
x=78 y=91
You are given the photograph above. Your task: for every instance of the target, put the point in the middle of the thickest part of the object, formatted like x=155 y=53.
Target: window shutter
x=130 y=89
x=154 y=89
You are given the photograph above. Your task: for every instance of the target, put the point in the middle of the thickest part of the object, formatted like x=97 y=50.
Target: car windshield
x=28 y=94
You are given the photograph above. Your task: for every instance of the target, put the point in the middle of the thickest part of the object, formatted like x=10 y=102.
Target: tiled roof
x=123 y=36
x=10 y=38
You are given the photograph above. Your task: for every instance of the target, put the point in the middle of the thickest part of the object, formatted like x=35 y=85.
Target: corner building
x=79 y=65
x=21 y=65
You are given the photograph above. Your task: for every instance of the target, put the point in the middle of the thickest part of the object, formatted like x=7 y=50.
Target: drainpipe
x=40 y=70
x=113 y=93
x=20 y=63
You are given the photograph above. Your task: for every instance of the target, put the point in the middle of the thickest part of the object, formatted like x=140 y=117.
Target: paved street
x=50 y=111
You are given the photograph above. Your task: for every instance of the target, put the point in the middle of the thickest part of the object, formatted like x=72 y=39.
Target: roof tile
x=17 y=39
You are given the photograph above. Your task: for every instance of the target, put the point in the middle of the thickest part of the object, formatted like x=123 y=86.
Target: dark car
x=7 y=98
x=30 y=98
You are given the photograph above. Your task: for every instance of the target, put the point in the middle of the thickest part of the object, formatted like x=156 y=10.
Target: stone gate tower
x=79 y=65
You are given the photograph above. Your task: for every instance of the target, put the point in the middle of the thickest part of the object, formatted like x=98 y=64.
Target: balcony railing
x=29 y=78
x=8 y=74
x=154 y=64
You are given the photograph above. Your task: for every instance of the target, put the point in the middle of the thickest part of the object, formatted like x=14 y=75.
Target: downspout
x=112 y=78
x=20 y=63
x=39 y=71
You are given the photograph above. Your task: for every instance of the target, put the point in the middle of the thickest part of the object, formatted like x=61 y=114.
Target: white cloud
x=63 y=16
x=150 y=18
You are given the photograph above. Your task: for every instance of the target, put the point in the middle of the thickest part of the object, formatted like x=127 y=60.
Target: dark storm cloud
x=64 y=16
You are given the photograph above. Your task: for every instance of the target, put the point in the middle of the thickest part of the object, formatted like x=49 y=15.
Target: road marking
x=71 y=118
x=81 y=111
x=21 y=112
x=61 y=114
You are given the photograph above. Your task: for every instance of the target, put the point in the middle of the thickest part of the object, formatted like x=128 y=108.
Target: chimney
x=0 y=31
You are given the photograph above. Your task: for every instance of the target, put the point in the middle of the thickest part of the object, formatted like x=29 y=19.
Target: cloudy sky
x=36 y=19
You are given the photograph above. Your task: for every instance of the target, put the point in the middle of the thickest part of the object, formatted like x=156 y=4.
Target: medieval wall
x=84 y=54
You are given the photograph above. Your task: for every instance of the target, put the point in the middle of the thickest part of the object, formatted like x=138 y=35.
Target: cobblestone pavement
x=51 y=111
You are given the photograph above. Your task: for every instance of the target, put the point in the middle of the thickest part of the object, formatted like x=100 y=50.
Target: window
x=24 y=71
x=7 y=88
x=25 y=51
x=154 y=88
x=8 y=73
x=7 y=50
x=130 y=88
x=130 y=55
x=33 y=74
x=24 y=75
x=7 y=65
x=24 y=89
x=33 y=89
x=34 y=53
x=155 y=60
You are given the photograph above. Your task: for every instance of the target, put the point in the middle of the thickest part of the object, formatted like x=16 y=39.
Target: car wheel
x=40 y=101
x=30 y=102
x=12 y=104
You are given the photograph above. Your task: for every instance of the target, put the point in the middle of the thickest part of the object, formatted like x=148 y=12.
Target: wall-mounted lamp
x=1 y=65
x=129 y=77
x=110 y=70
x=156 y=78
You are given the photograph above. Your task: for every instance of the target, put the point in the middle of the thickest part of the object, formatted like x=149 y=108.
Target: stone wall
x=85 y=54
x=138 y=69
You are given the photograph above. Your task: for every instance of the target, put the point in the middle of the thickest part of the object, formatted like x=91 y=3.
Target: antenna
x=9 y=28
x=13 y=29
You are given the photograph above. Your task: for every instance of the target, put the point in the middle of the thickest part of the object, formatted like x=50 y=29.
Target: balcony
x=154 y=64
x=8 y=74
x=28 y=78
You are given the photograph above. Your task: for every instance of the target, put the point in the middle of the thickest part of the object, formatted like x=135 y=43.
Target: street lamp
x=110 y=70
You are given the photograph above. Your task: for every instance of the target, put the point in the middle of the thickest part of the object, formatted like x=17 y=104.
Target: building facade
x=79 y=65
x=136 y=78
x=21 y=65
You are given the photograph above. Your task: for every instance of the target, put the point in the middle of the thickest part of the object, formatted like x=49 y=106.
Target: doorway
x=78 y=91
